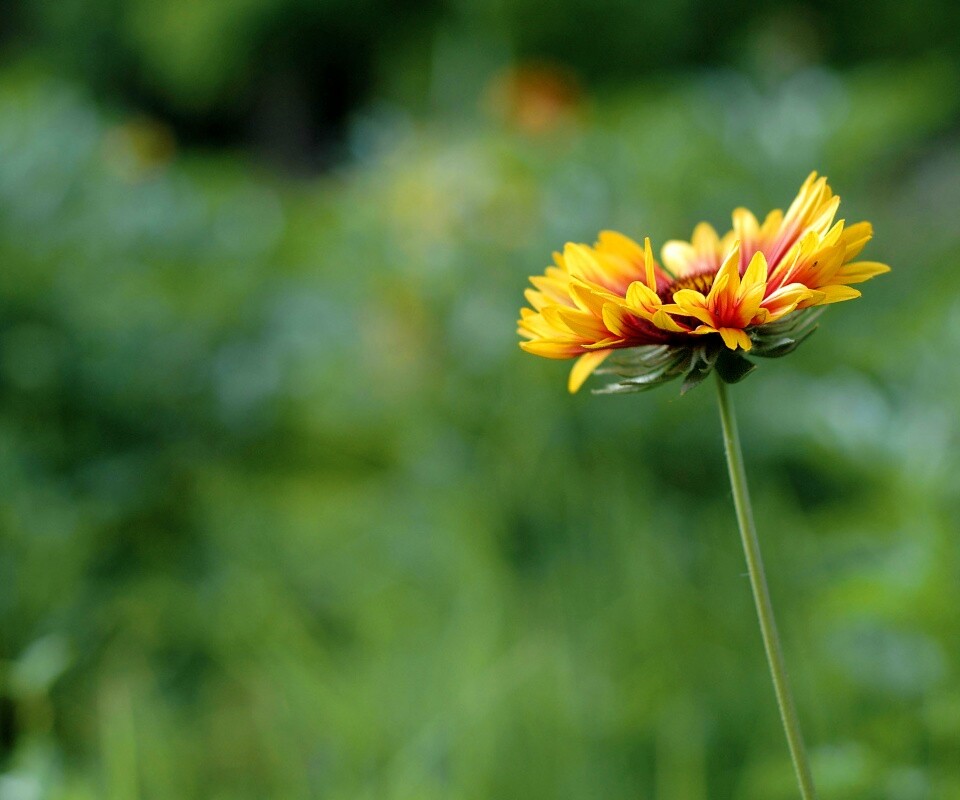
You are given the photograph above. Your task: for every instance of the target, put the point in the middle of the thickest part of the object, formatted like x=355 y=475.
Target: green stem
x=761 y=594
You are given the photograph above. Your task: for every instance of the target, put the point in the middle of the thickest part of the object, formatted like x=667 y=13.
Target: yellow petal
x=554 y=289
x=860 y=271
x=554 y=318
x=535 y=298
x=690 y=303
x=704 y=329
x=753 y=286
x=824 y=268
x=837 y=294
x=614 y=242
x=665 y=322
x=604 y=344
x=757 y=271
x=834 y=235
x=786 y=298
x=771 y=225
x=824 y=217
x=808 y=191
x=728 y=241
x=535 y=325
x=586 y=298
x=705 y=240
x=613 y=318
x=648 y=265
x=734 y=337
x=550 y=349
x=581 y=260
x=582 y=323
x=854 y=238
x=639 y=295
x=678 y=257
x=746 y=226
x=727 y=276
x=584 y=367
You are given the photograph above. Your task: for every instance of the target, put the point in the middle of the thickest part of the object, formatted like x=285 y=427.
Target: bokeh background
x=285 y=512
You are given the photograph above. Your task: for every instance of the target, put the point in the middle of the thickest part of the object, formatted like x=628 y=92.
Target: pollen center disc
x=699 y=281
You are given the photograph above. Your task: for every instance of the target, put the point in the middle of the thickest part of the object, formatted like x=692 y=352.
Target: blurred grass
x=286 y=513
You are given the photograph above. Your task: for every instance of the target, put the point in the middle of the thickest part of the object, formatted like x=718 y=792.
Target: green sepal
x=700 y=364
x=629 y=388
x=643 y=368
x=777 y=348
x=694 y=378
x=733 y=367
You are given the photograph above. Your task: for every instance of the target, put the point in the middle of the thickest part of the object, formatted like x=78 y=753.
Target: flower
x=755 y=289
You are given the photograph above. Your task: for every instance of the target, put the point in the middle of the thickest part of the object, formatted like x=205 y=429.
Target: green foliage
x=269 y=72
x=286 y=513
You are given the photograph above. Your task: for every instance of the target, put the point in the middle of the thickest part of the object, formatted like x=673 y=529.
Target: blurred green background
x=286 y=513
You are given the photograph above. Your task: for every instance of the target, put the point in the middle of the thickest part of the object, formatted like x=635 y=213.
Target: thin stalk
x=761 y=594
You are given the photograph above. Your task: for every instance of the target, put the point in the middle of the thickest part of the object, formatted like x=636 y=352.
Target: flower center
x=699 y=281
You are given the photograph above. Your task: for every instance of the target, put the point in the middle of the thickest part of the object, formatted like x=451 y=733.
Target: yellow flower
x=712 y=297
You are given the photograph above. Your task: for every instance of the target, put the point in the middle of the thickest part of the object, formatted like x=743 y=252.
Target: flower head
x=712 y=298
